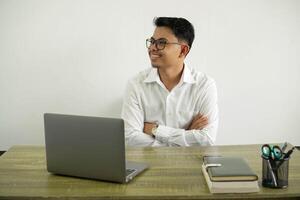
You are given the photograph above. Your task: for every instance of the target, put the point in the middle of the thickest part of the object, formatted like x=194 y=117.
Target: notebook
x=88 y=147
x=229 y=175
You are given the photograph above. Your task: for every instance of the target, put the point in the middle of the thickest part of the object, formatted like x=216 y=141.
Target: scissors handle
x=266 y=151
x=271 y=152
x=277 y=152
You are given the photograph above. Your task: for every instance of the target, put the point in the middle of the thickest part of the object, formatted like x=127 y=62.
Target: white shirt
x=148 y=100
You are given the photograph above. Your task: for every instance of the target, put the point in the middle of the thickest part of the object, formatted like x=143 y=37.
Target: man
x=170 y=104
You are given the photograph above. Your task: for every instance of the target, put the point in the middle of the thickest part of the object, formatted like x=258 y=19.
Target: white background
x=75 y=57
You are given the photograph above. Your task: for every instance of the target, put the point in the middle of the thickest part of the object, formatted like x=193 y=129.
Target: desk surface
x=175 y=173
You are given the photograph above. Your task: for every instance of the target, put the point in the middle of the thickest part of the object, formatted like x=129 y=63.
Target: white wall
x=75 y=57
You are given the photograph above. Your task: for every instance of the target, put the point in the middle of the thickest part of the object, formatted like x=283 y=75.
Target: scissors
x=271 y=152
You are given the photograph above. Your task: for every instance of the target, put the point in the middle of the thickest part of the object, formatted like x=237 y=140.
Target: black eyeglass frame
x=152 y=41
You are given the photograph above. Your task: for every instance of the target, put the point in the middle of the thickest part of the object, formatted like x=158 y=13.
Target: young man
x=170 y=104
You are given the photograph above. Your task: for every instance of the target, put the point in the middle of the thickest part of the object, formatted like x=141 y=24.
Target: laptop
x=88 y=147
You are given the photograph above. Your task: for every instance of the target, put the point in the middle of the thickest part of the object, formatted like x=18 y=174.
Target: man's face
x=170 y=55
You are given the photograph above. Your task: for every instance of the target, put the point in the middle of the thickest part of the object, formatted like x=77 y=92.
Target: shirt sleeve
x=133 y=116
x=208 y=107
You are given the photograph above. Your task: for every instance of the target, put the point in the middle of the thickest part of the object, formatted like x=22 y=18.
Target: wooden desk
x=175 y=173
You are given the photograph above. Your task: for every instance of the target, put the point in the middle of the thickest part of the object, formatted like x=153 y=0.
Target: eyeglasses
x=160 y=44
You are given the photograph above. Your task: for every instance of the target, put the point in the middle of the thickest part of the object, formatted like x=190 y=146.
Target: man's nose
x=153 y=47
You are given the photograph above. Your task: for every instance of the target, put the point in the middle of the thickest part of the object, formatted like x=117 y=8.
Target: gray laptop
x=88 y=147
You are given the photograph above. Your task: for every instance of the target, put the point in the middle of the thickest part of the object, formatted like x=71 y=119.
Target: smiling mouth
x=154 y=56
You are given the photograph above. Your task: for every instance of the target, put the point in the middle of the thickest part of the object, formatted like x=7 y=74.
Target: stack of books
x=229 y=175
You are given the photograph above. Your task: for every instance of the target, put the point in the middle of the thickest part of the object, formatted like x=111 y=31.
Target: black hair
x=181 y=27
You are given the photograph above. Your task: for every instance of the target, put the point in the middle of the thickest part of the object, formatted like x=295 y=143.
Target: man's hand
x=199 y=122
x=148 y=128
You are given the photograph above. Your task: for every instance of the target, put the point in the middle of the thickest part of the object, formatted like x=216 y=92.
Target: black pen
x=288 y=154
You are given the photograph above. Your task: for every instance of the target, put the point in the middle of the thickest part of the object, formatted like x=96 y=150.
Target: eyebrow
x=159 y=38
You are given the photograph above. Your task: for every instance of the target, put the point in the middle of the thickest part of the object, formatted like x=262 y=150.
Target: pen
x=288 y=154
x=284 y=147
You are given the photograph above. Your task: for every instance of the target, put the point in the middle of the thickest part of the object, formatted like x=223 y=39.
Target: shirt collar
x=186 y=76
x=152 y=76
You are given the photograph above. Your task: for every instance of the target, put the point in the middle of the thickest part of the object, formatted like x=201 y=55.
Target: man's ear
x=185 y=49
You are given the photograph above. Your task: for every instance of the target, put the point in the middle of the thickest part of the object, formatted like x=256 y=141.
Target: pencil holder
x=275 y=173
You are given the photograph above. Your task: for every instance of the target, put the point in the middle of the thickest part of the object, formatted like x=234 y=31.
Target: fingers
x=199 y=122
x=197 y=117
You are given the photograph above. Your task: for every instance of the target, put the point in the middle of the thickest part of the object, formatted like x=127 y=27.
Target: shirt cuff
x=164 y=133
